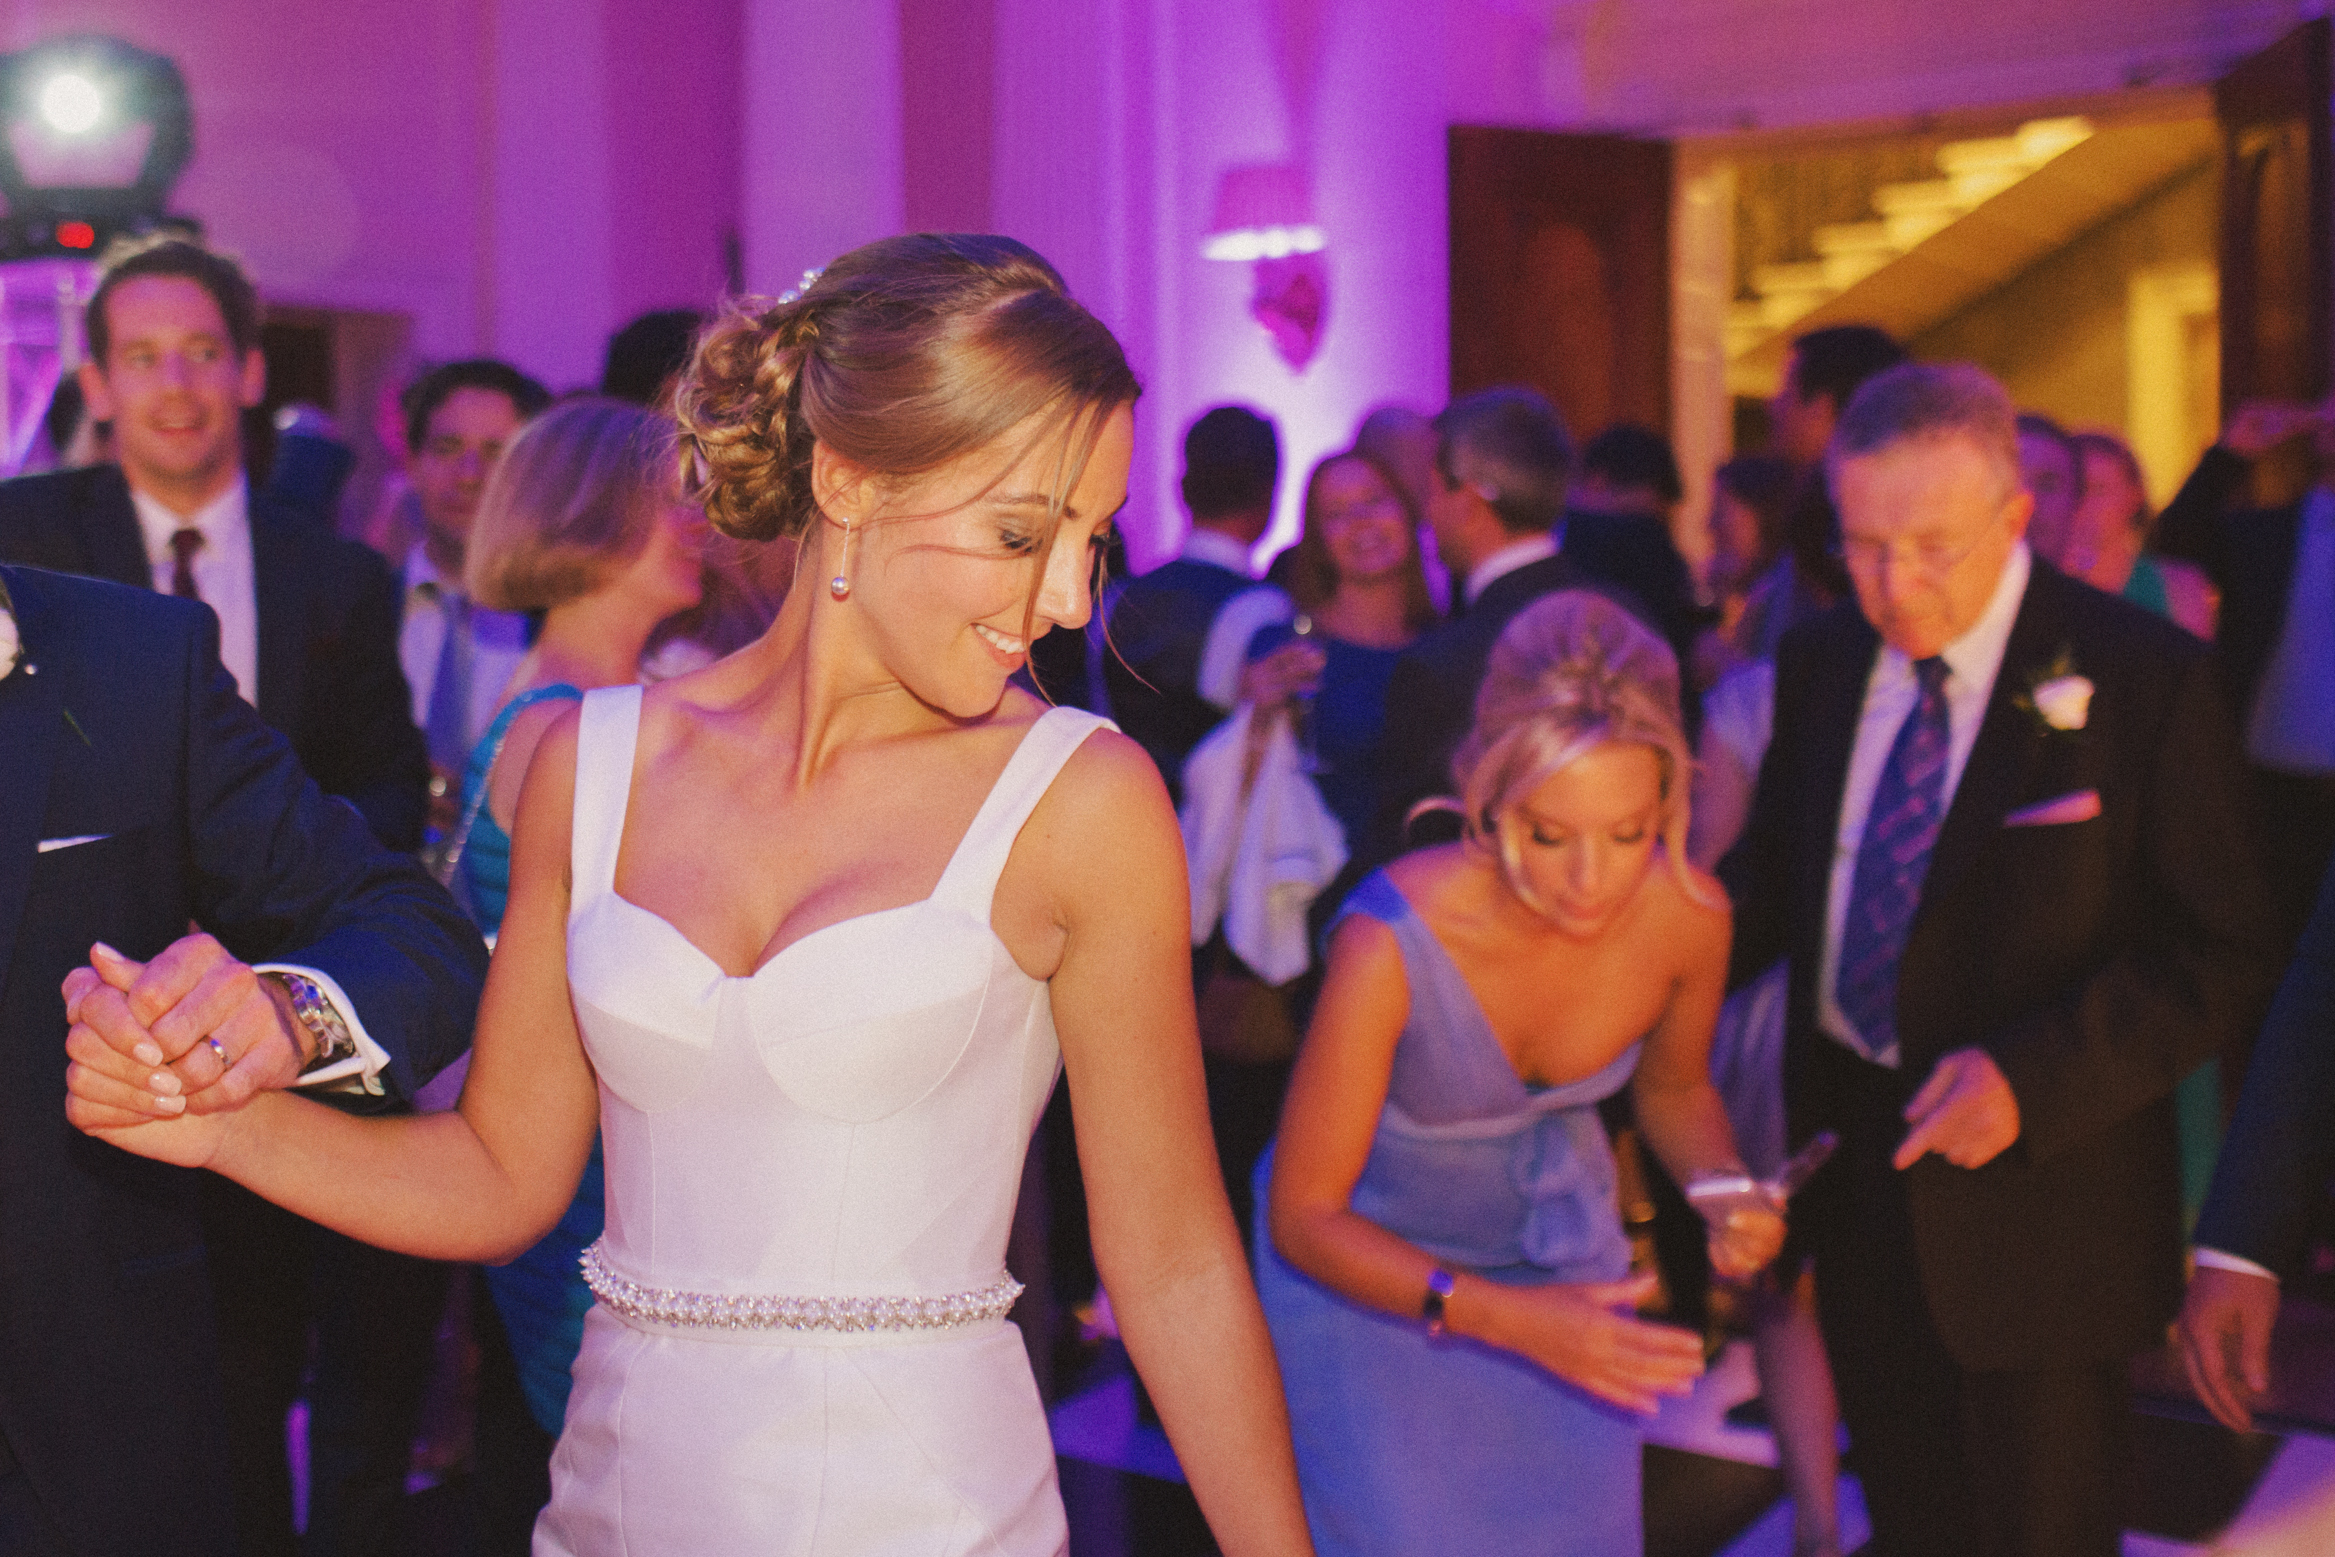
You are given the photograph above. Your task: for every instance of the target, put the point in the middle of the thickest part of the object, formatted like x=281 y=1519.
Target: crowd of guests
x=1921 y=816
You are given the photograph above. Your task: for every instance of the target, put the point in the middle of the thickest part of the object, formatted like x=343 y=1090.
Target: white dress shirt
x=1219 y=549
x=498 y=642
x=2291 y=727
x=222 y=570
x=1891 y=691
x=1516 y=554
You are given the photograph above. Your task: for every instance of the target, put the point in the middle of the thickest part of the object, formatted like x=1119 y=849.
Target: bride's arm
x=1163 y=1235
x=482 y=1183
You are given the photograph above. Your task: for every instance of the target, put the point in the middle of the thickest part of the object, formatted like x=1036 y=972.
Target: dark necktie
x=183 y=545
x=449 y=687
x=1909 y=803
x=448 y=728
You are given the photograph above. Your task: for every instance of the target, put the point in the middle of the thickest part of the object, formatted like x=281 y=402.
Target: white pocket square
x=51 y=845
x=2079 y=805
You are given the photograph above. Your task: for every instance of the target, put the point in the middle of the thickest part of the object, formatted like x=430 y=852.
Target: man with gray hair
x=1502 y=461
x=2001 y=833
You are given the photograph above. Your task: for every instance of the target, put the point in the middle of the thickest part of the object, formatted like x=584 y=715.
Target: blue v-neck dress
x=1407 y=1444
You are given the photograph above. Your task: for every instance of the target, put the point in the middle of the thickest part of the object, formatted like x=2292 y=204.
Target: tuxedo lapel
x=1835 y=707
x=30 y=720
x=2007 y=740
x=278 y=599
x=108 y=523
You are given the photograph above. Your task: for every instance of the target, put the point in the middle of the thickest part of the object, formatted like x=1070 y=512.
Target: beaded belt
x=743 y=1311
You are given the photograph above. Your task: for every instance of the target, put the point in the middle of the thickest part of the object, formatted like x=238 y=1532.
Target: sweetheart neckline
x=775 y=958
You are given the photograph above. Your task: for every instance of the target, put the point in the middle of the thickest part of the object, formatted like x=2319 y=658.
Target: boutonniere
x=2058 y=697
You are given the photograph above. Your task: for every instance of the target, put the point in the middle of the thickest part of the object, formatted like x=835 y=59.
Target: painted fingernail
x=170 y=1105
x=147 y=1054
x=164 y=1083
x=100 y=949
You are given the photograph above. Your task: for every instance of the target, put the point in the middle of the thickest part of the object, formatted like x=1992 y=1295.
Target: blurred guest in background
x=1402 y=440
x=1181 y=632
x=307 y=622
x=1617 y=528
x=1826 y=369
x=2051 y=468
x=2111 y=528
x=1442 y=1263
x=582 y=522
x=457 y=656
x=2275 y=569
x=646 y=357
x=1751 y=505
x=2002 y=835
x=1500 y=474
x=312 y=463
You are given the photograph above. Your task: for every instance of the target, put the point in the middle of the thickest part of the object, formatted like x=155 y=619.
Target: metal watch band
x=334 y=1042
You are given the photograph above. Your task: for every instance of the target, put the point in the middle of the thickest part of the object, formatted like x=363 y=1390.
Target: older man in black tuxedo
x=141 y=794
x=2002 y=833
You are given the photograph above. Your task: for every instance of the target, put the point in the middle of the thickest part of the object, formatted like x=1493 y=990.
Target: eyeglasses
x=1928 y=559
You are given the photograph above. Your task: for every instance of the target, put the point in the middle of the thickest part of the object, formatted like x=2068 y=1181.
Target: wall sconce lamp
x=1264 y=216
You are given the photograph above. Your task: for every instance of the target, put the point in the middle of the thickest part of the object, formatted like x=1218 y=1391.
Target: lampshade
x=1263 y=211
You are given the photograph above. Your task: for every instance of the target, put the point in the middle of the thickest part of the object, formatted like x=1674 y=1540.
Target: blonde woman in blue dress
x=800 y=933
x=1443 y=1262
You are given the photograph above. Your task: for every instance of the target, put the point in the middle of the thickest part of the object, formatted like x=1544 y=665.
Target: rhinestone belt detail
x=744 y=1311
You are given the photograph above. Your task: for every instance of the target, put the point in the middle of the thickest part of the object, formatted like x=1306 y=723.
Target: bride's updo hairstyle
x=901 y=356
x=1572 y=672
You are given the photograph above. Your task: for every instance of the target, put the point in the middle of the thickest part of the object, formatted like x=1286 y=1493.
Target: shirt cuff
x=360 y=1071
x=2215 y=1259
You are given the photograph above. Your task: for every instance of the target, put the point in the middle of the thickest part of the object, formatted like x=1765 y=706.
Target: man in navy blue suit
x=2269 y=1183
x=142 y=795
x=1180 y=633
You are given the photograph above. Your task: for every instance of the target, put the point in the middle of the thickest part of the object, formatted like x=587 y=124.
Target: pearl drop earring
x=840 y=585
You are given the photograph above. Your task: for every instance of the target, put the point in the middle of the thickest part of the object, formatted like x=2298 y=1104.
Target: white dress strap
x=971 y=878
x=607 y=734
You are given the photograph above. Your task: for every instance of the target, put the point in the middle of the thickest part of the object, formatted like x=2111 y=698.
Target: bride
x=807 y=934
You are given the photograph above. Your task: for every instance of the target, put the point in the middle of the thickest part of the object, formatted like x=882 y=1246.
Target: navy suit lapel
x=30 y=720
x=283 y=660
x=1836 y=706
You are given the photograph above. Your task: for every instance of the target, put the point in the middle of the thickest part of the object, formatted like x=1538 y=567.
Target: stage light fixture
x=93 y=133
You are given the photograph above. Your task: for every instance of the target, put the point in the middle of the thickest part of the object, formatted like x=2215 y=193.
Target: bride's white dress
x=847 y=1124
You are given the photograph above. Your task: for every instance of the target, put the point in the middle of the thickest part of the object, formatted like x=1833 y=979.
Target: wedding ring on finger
x=219 y=1050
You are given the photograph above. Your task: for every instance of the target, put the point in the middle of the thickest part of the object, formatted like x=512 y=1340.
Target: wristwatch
x=334 y=1042
x=1439 y=1285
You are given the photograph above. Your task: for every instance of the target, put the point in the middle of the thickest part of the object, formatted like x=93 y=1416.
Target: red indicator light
x=76 y=235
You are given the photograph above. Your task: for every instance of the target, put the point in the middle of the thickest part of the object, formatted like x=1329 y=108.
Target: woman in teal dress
x=583 y=523
x=1442 y=1260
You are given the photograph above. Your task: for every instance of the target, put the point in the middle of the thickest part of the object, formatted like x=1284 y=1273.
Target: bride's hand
x=124 y=1099
x=1590 y=1335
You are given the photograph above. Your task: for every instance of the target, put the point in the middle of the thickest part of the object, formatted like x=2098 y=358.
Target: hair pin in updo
x=810 y=280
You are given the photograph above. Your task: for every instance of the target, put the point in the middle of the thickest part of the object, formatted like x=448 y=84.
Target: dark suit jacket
x=2249 y=554
x=2097 y=962
x=329 y=611
x=1635 y=552
x=2280 y=1152
x=1431 y=698
x=1159 y=624
x=130 y=731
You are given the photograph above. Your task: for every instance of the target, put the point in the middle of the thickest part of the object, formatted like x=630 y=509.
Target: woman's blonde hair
x=1313 y=573
x=575 y=497
x=901 y=356
x=1572 y=672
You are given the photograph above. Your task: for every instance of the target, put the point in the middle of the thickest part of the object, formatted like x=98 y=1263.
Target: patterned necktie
x=183 y=545
x=448 y=729
x=1894 y=857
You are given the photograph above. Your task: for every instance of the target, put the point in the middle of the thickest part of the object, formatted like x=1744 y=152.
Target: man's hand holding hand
x=1966 y=1113
x=193 y=1031
x=2225 y=1340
